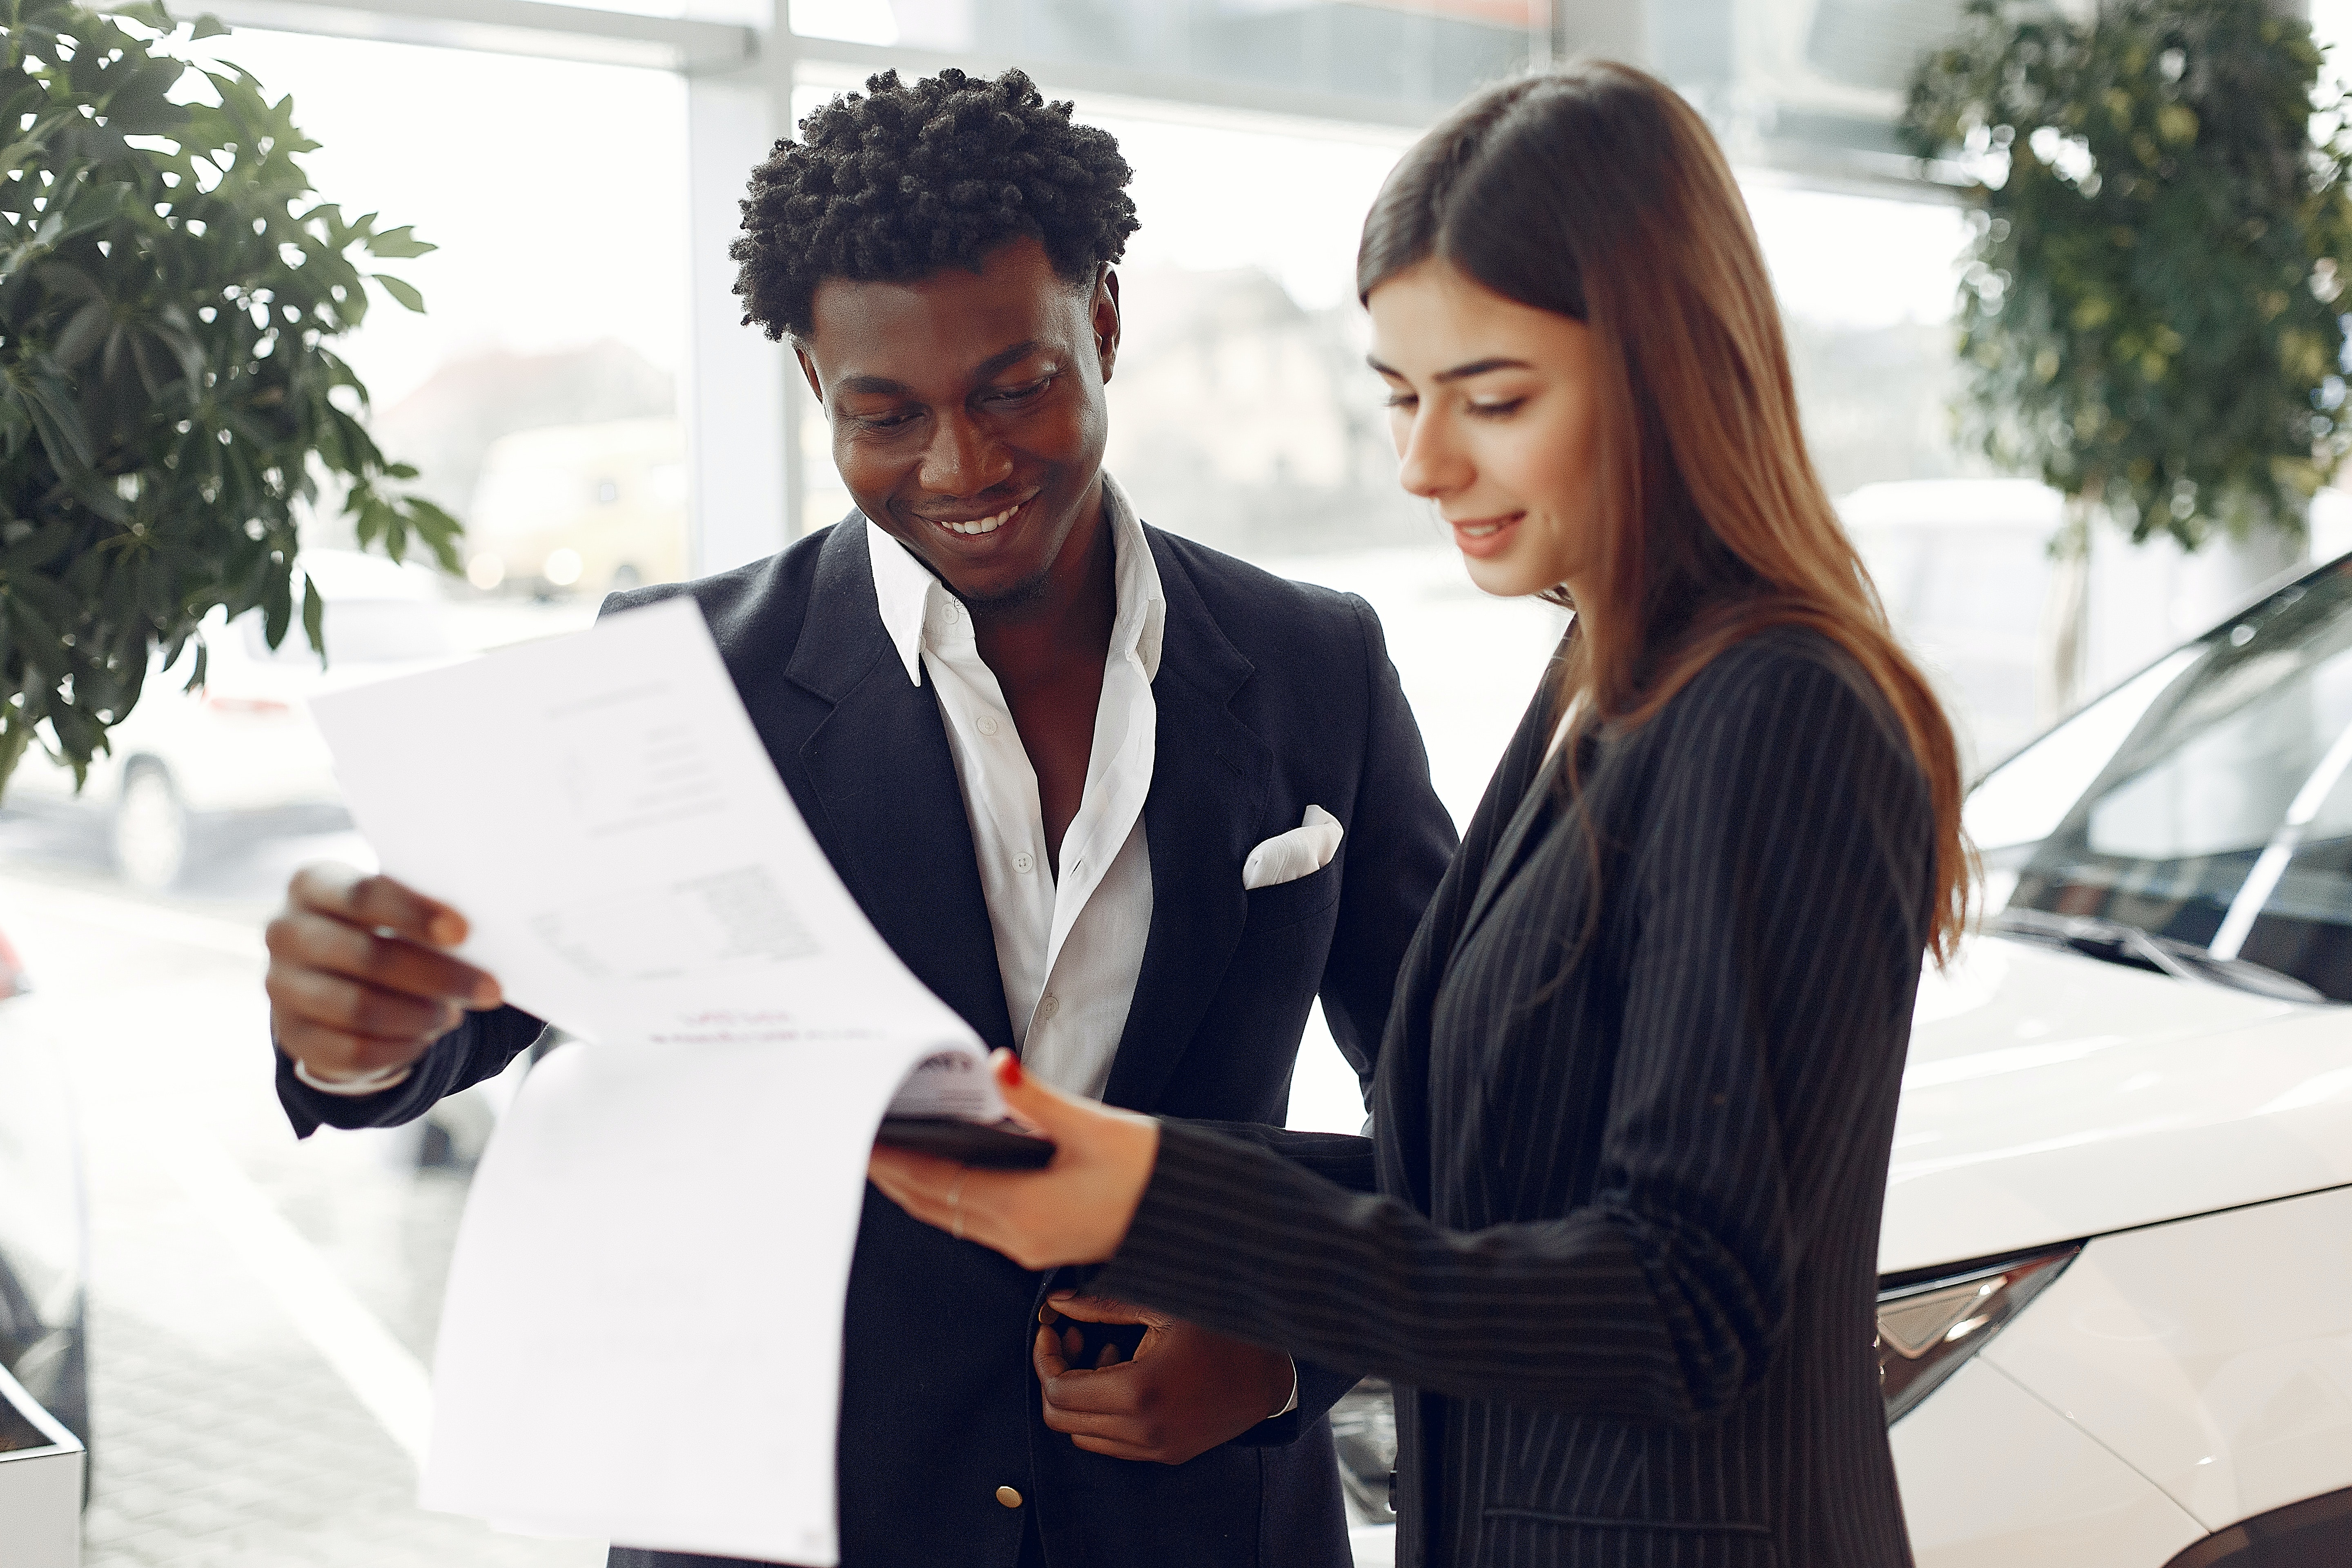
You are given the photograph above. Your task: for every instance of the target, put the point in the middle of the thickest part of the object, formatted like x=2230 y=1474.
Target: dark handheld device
x=996 y=1146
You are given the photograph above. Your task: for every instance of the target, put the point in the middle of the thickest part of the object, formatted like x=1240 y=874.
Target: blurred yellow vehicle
x=580 y=509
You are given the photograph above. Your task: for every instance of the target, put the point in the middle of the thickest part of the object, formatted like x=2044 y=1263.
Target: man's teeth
x=985 y=524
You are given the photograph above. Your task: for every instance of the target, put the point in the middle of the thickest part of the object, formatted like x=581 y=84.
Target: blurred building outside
x=587 y=509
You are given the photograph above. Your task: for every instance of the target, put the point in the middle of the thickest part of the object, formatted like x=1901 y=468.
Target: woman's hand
x=1075 y=1210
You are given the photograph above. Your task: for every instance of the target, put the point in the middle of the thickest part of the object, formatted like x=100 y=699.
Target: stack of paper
x=642 y=1340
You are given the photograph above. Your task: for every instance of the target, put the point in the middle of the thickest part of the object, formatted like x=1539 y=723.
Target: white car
x=2116 y=1325
x=186 y=763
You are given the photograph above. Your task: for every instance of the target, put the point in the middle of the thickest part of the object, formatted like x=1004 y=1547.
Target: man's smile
x=974 y=526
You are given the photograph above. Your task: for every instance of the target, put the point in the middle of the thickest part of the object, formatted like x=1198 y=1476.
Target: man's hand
x=358 y=984
x=1186 y=1390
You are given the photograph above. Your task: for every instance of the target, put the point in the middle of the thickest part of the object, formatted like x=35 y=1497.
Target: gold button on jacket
x=1008 y=1497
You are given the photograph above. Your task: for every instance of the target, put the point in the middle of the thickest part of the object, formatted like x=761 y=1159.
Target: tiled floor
x=222 y=1436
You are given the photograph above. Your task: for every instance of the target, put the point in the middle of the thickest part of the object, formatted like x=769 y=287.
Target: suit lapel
x=1208 y=779
x=1512 y=850
x=887 y=806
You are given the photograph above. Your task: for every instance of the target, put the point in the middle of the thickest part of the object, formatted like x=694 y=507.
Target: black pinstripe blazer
x=1630 y=1167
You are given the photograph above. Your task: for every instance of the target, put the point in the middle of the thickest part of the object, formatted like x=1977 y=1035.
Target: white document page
x=642 y=1337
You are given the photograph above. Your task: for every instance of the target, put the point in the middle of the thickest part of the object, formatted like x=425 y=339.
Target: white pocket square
x=1302 y=851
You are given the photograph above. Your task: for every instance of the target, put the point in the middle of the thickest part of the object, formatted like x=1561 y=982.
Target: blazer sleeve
x=1400 y=839
x=478 y=1048
x=1778 y=901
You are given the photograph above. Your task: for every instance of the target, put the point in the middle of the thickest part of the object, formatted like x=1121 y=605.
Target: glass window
x=1425 y=56
x=2023 y=801
x=2224 y=818
x=359 y=631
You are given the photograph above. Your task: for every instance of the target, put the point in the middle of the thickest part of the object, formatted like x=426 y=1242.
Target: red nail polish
x=1008 y=1070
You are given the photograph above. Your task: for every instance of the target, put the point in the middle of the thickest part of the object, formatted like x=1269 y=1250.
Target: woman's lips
x=1485 y=536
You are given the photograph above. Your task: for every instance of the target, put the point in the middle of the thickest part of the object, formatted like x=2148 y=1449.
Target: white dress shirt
x=1068 y=949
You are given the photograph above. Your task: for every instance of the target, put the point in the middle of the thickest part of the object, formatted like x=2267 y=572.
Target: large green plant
x=2149 y=317
x=169 y=399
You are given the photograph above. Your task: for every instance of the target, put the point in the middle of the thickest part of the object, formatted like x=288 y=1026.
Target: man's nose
x=963 y=459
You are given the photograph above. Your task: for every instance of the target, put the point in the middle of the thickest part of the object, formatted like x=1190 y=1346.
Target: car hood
x=2049 y=1096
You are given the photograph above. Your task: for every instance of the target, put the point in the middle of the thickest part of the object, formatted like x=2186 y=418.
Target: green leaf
x=314 y=618
x=404 y=292
x=277 y=603
x=42 y=390
x=399 y=243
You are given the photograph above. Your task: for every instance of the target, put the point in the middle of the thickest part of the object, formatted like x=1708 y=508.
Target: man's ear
x=1106 y=318
x=808 y=369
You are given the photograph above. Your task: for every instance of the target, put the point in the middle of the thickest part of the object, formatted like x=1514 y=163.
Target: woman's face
x=1492 y=405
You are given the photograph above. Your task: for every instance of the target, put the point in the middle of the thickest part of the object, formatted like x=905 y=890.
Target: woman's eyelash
x=1477 y=410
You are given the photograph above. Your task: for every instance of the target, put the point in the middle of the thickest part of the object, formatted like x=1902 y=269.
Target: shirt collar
x=904 y=589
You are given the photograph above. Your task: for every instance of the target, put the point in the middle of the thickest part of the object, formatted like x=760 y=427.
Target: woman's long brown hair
x=1597 y=192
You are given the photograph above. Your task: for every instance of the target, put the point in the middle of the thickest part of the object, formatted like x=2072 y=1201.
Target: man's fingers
x=336 y=1053
x=1109 y=1357
x=1047 y=1356
x=1107 y=1391
x=1105 y=1310
x=350 y=1007
x=307 y=940
x=376 y=903
x=1118 y=1451
x=1119 y=1425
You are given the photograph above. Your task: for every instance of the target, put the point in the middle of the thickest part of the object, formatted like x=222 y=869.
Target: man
x=1039 y=741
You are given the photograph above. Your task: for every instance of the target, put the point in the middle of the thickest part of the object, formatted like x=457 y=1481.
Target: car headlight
x=1928 y=1327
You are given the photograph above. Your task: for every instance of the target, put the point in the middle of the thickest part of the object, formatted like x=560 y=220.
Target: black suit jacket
x=1634 y=1118
x=1271 y=696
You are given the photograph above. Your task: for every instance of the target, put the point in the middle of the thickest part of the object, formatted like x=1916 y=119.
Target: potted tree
x=2149 y=319
x=171 y=400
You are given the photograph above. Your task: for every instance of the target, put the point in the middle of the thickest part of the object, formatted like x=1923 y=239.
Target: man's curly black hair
x=894 y=186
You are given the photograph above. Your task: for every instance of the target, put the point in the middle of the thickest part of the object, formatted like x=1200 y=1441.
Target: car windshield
x=361 y=631
x=2209 y=800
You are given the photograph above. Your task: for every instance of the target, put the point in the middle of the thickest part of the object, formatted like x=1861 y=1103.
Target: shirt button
x=987 y=725
x=1022 y=863
x=1008 y=1497
x=1049 y=1007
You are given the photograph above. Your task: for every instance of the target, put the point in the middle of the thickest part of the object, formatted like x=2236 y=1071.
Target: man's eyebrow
x=883 y=387
x=999 y=359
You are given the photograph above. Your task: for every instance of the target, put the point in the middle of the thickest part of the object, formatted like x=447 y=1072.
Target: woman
x=1634 y=1106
